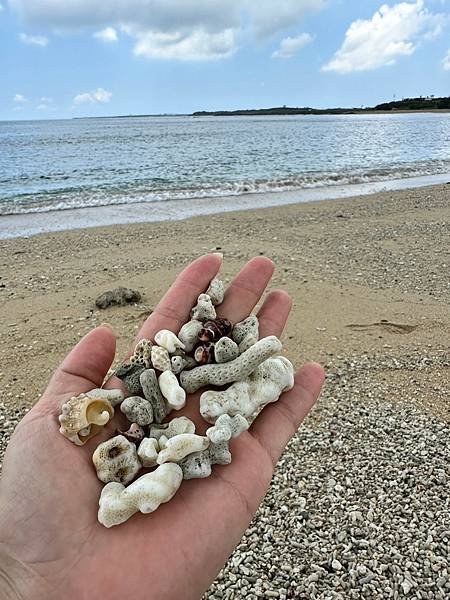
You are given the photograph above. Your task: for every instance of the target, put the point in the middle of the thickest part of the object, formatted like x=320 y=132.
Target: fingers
x=274 y=313
x=246 y=289
x=174 y=308
x=84 y=367
x=279 y=421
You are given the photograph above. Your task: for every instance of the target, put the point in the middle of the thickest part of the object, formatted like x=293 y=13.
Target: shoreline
x=38 y=223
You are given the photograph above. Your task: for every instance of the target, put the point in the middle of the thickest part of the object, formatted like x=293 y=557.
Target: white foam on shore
x=24 y=225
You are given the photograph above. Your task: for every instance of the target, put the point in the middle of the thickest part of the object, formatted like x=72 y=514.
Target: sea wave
x=64 y=198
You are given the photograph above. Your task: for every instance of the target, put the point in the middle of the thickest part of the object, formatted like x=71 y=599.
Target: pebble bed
x=359 y=506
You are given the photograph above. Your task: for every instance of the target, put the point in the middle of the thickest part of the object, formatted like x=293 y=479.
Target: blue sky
x=96 y=57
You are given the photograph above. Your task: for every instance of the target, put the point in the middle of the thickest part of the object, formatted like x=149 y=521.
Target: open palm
x=50 y=540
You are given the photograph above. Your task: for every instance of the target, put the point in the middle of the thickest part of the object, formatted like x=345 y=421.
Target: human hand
x=51 y=544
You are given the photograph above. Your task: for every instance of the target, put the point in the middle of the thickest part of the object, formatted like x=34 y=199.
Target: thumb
x=83 y=369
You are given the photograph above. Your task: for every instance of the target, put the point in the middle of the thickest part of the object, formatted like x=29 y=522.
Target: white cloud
x=291 y=45
x=446 y=61
x=20 y=99
x=393 y=31
x=171 y=29
x=269 y=17
x=199 y=45
x=109 y=34
x=44 y=103
x=34 y=40
x=97 y=96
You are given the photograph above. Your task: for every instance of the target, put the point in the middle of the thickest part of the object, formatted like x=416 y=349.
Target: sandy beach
x=369 y=279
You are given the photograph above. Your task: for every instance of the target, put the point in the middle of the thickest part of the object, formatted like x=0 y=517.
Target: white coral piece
x=174 y=427
x=171 y=390
x=152 y=393
x=148 y=452
x=235 y=370
x=225 y=350
x=204 y=310
x=137 y=410
x=168 y=340
x=227 y=427
x=142 y=353
x=249 y=340
x=116 y=460
x=180 y=446
x=188 y=334
x=216 y=291
x=118 y=503
x=199 y=464
x=114 y=397
x=248 y=397
x=161 y=359
x=249 y=326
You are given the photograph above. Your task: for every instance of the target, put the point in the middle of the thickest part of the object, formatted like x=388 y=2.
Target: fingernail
x=108 y=326
x=219 y=254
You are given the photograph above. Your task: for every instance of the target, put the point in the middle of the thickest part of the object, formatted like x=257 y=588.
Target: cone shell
x=83 y=417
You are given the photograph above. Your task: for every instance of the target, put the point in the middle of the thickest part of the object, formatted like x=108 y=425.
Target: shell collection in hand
x=208 y=351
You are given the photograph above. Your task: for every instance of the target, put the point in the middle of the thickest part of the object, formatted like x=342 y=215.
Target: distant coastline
x=428 y=104
x=406 y=105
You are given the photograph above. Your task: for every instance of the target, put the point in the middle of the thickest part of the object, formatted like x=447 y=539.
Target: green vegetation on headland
x=407 y=104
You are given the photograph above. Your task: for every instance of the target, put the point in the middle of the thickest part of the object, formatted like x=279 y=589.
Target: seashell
x=188 y=334
x=199 y=464
x=214 y=330
x=148 y=452
x=227 y=427
x=179 y=446
x=204 y=309
x=82 y=417
x=235 y=370
x=152 y=393
x=204 y=353
x=249 y=396
x=172 y=391
x=168 y=340
x=114 y=397
x=130 y=374
x=142 y=354
x=161 y=359
x=137 y=410
x=216 y=291
x=116 y=460
x=175 y=427
x=243 y=328
x=118 y=503
x=134 y=434
x=225 y=350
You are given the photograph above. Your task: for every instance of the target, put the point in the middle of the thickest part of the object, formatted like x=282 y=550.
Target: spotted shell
x=82 y=417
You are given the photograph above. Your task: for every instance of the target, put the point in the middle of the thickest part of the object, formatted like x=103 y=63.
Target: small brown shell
x=83 y=417
x=204 y=353
x=214 y=329
x=134 y=434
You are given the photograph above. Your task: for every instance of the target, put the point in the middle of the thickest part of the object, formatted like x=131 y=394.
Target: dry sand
x=369 y=277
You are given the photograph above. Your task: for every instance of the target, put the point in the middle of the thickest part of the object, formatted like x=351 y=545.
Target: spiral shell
x=82 y=417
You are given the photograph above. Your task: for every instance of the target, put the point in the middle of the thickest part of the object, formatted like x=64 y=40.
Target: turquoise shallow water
x=56 y=165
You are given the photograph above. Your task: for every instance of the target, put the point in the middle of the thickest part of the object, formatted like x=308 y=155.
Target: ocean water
x=79 y=163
